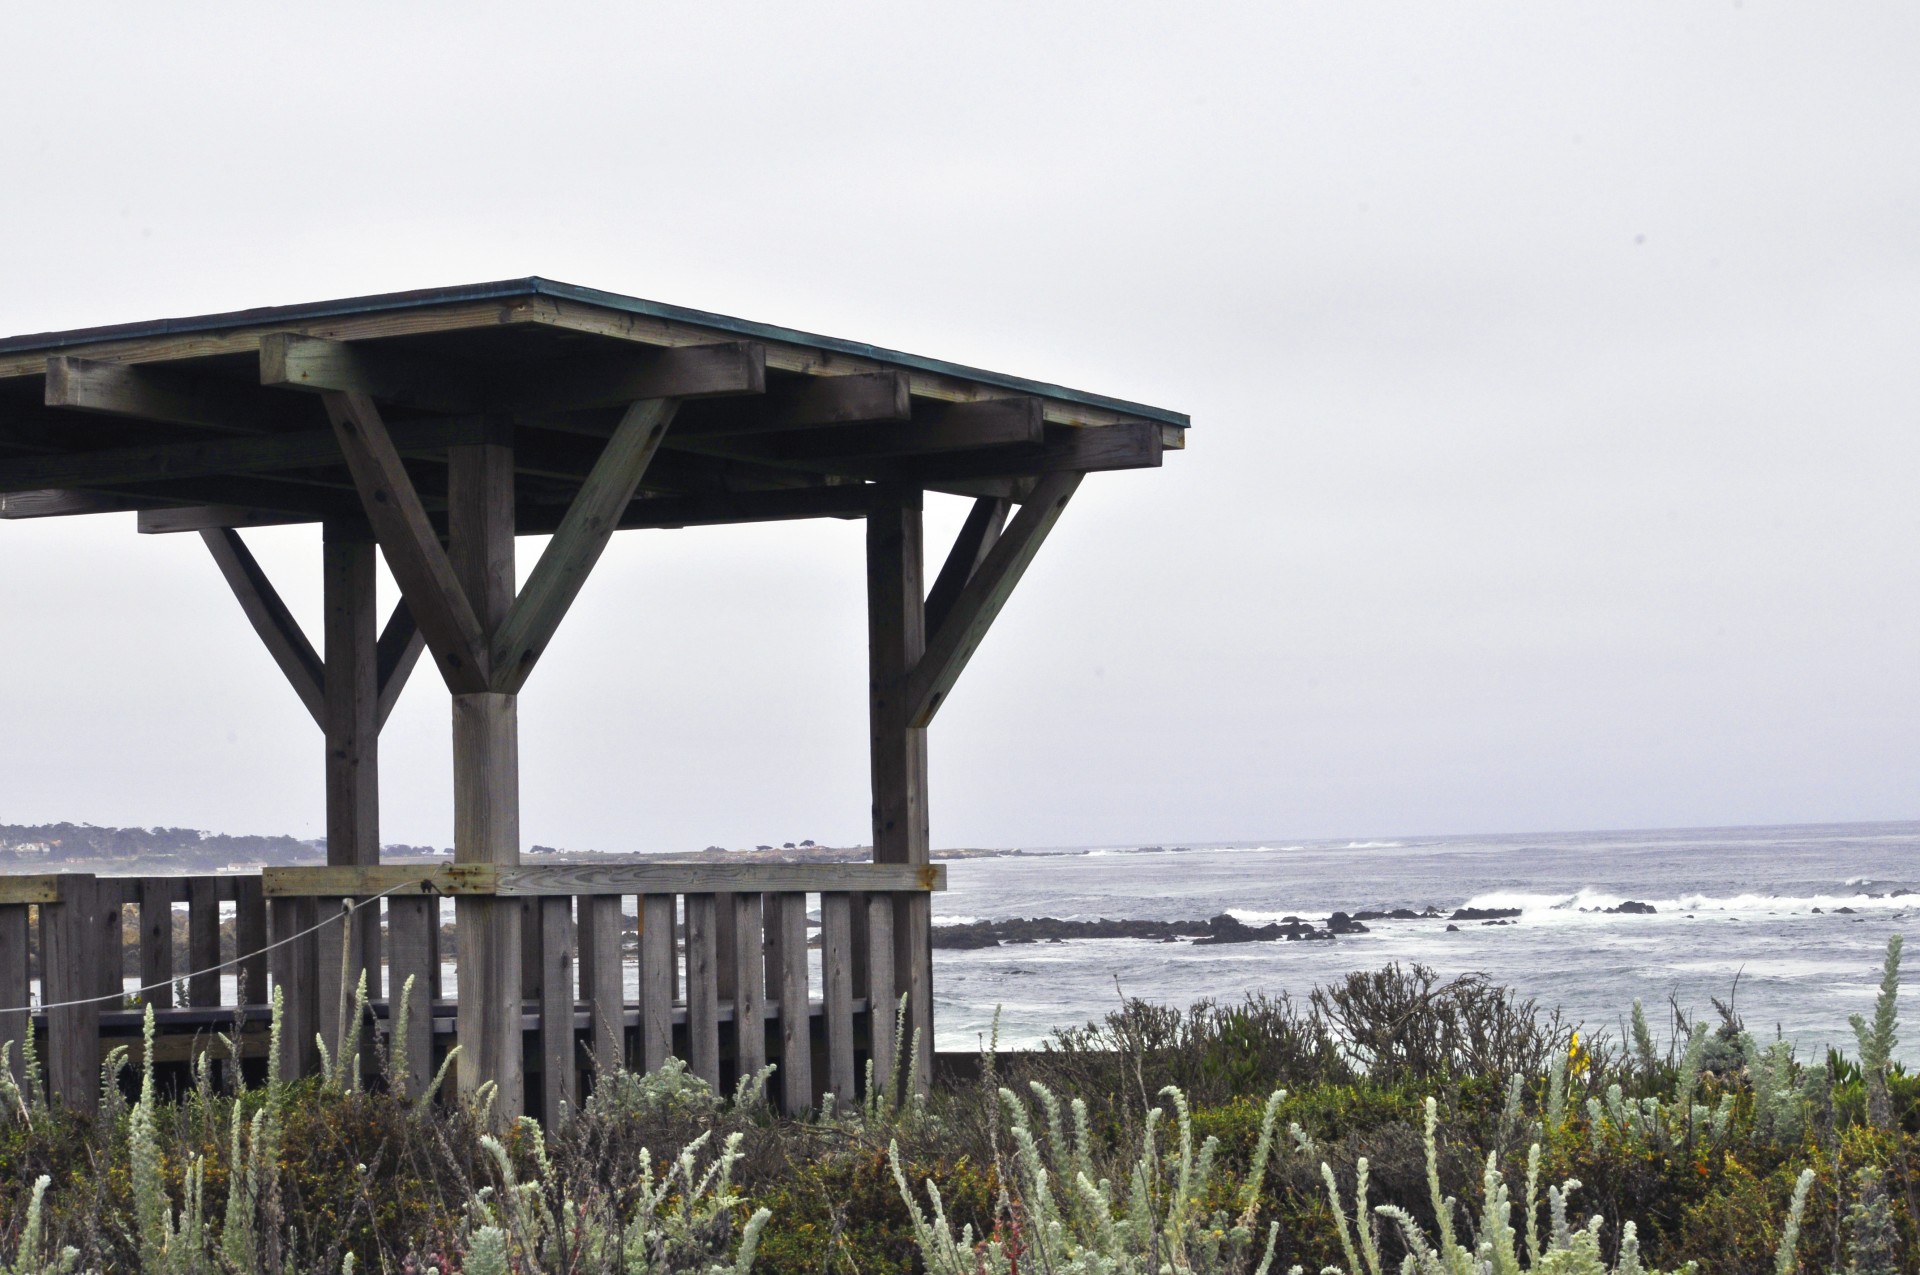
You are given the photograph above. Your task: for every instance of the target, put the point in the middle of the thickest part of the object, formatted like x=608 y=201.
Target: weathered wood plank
x=981 y=599
x=658 y=963
x=38 y=888
x=108 y=948
x=896 y=636
x=836 y=992
x=333 y=946
x=796 y=1019
x=703 y=999
x=532 y=949
x=569 y=557
x=250 y=940
x=14 y=935
x=369 y=369
x=420 y=566
x=59 y=503
x=68 y=973
x=203 y=942
x=847 y=500
x=172 y=396
x=489 y=1012
x=934 y=428
x=411 y=923
x=612 y=377
x=278 y=630
x=601 y=979
x=748 y=977
x=521 y=880
x=559 y=1061
x=970 y=548
x=1068 y=450
x=883 y=996
x=169 y=519
x=800 y=403
x=351 y=690
x=294 y=969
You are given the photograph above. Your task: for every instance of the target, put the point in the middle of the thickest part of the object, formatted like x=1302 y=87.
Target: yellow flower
x=1577 y=1057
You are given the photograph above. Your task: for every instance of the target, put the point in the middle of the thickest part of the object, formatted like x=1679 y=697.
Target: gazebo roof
x=212 y=421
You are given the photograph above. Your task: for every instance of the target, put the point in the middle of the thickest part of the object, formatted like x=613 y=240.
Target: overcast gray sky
x=1552 y=370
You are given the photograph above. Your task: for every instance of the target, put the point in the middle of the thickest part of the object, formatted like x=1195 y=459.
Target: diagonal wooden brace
x=271 y=619
x=589 y=523
x=419 y=564
x=979 y=601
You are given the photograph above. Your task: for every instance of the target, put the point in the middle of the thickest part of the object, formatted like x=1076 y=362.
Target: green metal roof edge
x=536 y=286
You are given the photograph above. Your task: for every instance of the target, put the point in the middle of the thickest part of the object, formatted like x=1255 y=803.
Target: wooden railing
x=620 y=965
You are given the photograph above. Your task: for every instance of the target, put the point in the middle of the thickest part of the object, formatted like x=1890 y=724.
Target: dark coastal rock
x=1398 y=914
x=1848 y=911
x=979 y=934
x=1816 y=911
x=1497 y=921
x=1227 y=928
x=1483 y=914
x=1631 y=908
x=1341 y=923
x=1453 y=929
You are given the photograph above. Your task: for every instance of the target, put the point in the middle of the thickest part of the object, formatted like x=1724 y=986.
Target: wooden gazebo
x=436 y=426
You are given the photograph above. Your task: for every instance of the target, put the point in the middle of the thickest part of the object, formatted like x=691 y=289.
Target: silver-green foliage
x=1063 y=1219
x=680 y=1221
x=1877 y=1041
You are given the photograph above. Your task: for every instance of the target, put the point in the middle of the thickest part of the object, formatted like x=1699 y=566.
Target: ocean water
x=1732 y=904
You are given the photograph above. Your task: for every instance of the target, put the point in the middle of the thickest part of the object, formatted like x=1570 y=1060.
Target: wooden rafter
x=173 y=396
x=934 y=427
x=589 y=523
x=284 y=639
x=950 y=647
x=799 y=403
x=414 y=554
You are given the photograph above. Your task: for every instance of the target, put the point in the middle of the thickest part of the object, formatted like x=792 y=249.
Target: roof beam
x=172 y=518
x=414 y=553
x=271 y=619
x=850 y=500
x=66 y=504
x=582 y=382
x=800 y=403
x=616 y=378
x=170 y=395
x=590 y=521
x=201 y=458
x=935 y=427
x=1067 y=449
x=979 y=601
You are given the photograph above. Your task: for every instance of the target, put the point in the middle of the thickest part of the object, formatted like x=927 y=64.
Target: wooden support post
x=294 y=968
x=109 y=944
x=658 y=962
x=896 y=640
x=411 y=922
x=486 y=768
x=836 y=992
x=14 y=987
x=69 y=973
x=703 y=993
x=203 y=942
x=796 y=1016
x=882 y=998
x=156 y=940
x=559 y=1060
x=748 y=982
x=351 y=685
x=250 y=940
x=601 y=981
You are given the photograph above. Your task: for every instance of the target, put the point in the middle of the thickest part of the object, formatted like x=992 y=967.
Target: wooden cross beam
x=604 y=379
x=934 y=427
x=306 y=672
x=202 y=458
x=173 y=396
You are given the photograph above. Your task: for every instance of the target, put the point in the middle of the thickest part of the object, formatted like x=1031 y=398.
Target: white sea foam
x=1376 y=845
x=1588 y=904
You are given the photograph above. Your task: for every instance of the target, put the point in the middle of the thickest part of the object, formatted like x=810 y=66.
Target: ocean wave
x=1590 y=903
x=1376 y=845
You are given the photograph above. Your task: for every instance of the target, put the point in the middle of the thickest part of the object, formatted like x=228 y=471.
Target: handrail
x=536 y=880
